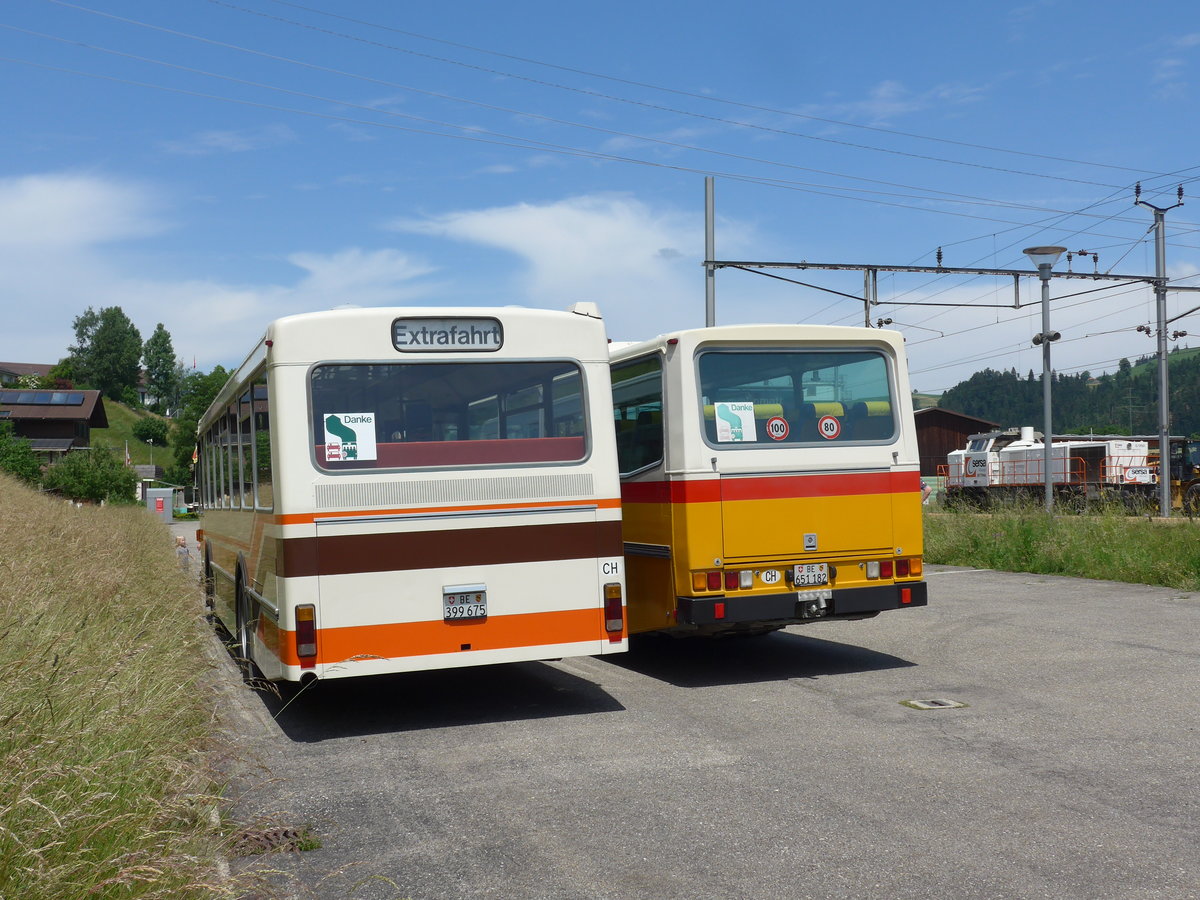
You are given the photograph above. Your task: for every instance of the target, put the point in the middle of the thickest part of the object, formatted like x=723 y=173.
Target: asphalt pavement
x=1058 y=760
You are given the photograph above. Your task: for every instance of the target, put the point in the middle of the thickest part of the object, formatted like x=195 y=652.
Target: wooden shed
x=53 y=421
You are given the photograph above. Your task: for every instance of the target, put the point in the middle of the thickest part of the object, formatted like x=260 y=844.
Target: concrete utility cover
x=933 y=704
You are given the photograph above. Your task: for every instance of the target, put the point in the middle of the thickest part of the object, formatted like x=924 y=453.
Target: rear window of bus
x=764 y=398
x=434 y=414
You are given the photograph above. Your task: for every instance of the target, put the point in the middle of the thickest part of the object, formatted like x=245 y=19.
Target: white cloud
x=73 y=210
x=61 y=240
x=639 y=264
x=205 y=143
x=365 y=278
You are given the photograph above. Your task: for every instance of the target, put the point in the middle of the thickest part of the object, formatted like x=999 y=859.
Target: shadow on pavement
x=443 y=698
x=706 y=662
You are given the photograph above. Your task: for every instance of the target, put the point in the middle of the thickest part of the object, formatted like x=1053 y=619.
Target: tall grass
x=1106 y=544
x=104 y=712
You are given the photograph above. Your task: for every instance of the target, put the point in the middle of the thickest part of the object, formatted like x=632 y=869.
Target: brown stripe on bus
x=352 y=553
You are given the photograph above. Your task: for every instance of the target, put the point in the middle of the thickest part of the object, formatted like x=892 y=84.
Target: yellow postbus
x=769 y=477
x=390 y=490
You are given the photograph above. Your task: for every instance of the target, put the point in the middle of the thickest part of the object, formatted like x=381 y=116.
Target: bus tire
x=210 y=586
x=246 y=623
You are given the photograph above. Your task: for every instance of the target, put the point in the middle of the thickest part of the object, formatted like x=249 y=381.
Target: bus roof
x=765 y=334
x=366 y=333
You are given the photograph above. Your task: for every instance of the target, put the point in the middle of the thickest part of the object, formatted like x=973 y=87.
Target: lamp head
x=1044 y=256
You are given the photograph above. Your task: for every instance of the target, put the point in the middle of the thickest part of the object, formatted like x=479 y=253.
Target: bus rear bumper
x=801 y=606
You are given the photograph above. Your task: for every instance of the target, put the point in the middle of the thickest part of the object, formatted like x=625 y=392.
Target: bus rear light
x=905 y=596
x=745 y=579
x=699 y=582
x=902 y=568
x=873 y=569
x=885 y=569
x=306 y=634
x=714 y=581
x=914 y=567
x=731 y=580
x=614 y=616
x=718 y=610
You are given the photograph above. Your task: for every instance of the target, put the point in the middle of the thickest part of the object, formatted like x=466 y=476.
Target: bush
x=151 y=431
x=17 y=457
x=94 y=475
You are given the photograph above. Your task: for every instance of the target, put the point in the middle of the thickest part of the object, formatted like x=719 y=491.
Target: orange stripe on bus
x=307 y=518
x=402 y=639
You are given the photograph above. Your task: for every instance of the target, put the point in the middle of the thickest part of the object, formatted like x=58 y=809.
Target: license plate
x=810 y=574
x=464 y=604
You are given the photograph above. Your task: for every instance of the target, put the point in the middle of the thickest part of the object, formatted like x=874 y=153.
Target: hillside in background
x=121 y=420
x=1124 y=402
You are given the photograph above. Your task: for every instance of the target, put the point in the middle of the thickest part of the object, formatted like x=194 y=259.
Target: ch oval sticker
x=771 y=576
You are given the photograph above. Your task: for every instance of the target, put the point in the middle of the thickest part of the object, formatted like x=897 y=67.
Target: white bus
x=390 y=490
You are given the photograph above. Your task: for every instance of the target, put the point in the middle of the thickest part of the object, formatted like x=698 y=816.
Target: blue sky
x=213 y=164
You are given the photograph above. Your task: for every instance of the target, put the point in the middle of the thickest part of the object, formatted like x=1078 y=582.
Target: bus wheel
x=209 y=585
x=246 y=624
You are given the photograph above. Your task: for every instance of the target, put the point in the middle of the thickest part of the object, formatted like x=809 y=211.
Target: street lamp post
x=1045 y=258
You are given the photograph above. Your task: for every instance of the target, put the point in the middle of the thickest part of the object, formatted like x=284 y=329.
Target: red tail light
x=714 y=581
x=306 y=635
x=614 y=616
x=885 y=568
x=731 y=581
x=902 y=568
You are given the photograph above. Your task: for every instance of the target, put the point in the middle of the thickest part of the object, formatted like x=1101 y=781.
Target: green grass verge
x=106 y=717
x=1110 y=546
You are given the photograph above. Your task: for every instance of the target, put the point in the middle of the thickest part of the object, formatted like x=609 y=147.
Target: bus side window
x=637 y=385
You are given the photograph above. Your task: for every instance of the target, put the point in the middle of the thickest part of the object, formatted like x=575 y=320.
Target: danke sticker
x=735 y=422
x=350 y=437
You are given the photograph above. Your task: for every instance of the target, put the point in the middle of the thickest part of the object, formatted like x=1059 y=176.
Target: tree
x=151 y=430
x=17 y=457
x=108 y=350
x=162 y=370
x=95 y=475
x=196 y=394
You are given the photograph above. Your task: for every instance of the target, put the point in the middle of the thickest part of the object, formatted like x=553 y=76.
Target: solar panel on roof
x=41 y=398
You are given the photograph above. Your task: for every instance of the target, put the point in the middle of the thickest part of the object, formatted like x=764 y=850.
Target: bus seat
x=870 y=420
x=625 y=429
x=764 y=411
x=811 y=413
x=647 y=438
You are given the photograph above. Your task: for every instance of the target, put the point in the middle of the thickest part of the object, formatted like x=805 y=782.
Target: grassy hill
x=1149 y=367
x=121 y=420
